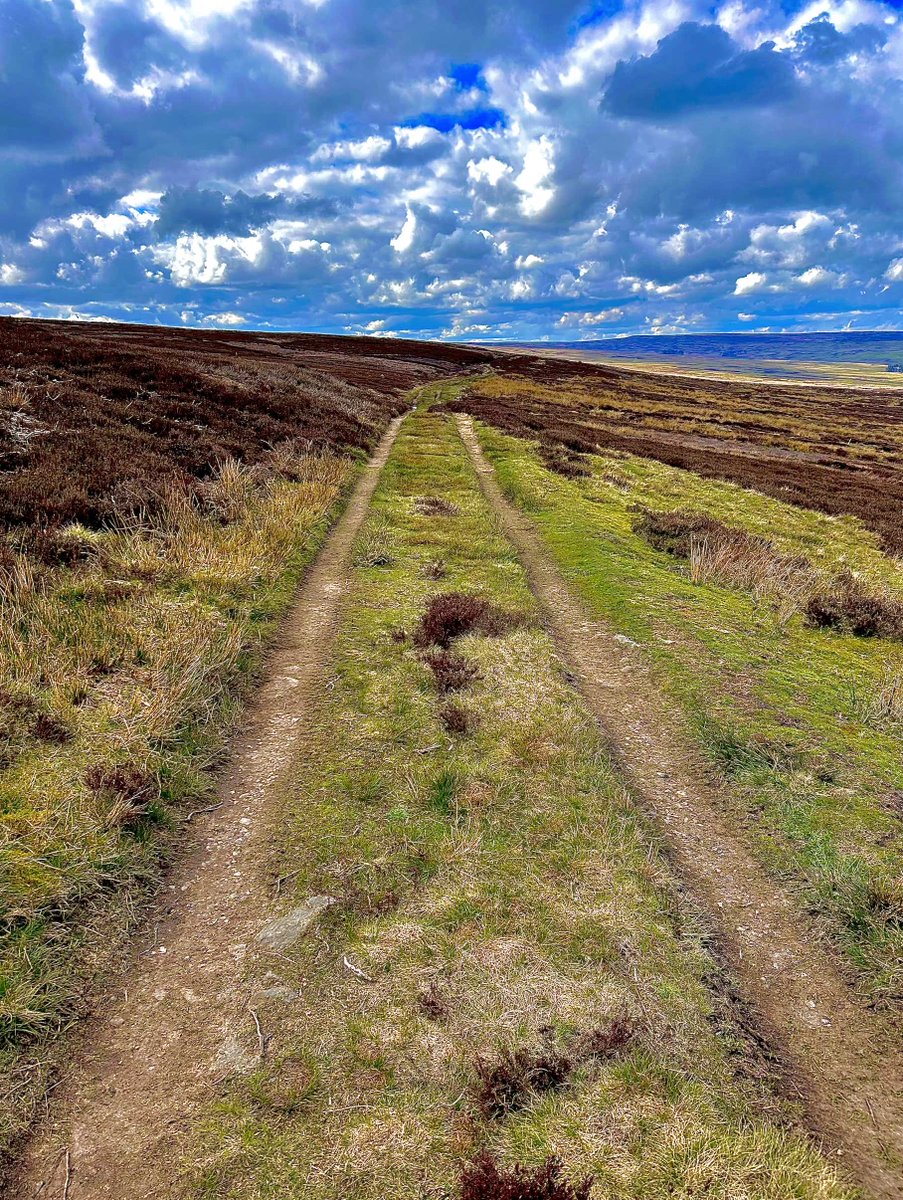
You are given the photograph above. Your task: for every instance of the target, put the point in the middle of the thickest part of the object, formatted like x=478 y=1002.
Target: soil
x=184 y=1016
x=835 y=1056
x=186 y=1013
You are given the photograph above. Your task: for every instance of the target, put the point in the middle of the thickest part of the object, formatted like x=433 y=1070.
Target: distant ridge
x=865 y=347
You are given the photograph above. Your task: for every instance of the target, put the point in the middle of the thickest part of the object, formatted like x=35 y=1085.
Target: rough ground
x=183 y=1018
x=847 y=1073
x=143 y=1067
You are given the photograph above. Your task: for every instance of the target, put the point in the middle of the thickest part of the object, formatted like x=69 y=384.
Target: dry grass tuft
x=752 y=565
x=373 y=547
x=883 y=705
x=486 y=1180
x=851 y=606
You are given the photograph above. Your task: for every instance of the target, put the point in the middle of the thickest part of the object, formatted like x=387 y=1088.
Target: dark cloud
x=44 y=107
x=211 y=212
x=696 y=67
x=821 y=44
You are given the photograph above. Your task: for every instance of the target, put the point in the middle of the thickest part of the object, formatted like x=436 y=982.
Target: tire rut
x=835 y=1056
x=183 y=1016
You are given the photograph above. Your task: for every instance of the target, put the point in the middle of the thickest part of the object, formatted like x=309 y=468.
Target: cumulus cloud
x=488 y=169
x=695 y=67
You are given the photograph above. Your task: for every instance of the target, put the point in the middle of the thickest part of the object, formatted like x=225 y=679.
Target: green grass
x=141 y=656
x=787 y=712
x=506 y=874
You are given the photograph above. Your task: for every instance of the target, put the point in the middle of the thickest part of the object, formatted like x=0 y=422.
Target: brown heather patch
x=486 y=1180
x=432 y=1003
x=834 y=450
x=506 y=1083
x=97 y=421
x=850 y=606
x=456 y=718
x=453 y=614
x=434 y=506
x=451 y=671
x=127 y=790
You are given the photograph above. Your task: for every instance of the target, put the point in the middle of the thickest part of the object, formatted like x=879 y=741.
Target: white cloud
x=591 y=318
x=404 y=239
x=895 y=271
x=10 y=275
x=225 y=318
x=539 y=163
x=369 y=149
x=755 y=281
x=491 y=170
x=818 y=277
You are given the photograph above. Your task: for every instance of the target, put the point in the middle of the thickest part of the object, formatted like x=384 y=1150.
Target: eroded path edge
x=181 y=1017
x=851 y=1083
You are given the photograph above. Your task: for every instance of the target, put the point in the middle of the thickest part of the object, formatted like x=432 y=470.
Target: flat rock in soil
x=282 y=932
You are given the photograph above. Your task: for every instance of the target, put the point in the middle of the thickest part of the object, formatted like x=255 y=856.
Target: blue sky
x=471 y=170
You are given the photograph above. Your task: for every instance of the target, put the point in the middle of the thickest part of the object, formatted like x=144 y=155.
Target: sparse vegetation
x=773 y=628
x=160 y=494
x=531 y=947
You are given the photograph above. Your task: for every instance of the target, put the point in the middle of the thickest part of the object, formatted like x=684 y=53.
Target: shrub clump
x=451 y=671
x=435 y=506
x=505 y=1084
x=563 y=460
x=453 y=614
x=128 y=790
x=458 y=719
x=435 y=569
x=433 y=1003
x=849 y=606
x=679 y=531
x=484 y=1179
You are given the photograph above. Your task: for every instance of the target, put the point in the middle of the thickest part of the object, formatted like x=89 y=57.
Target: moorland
x=464 y=940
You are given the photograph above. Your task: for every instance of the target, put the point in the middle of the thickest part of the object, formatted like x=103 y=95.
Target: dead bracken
x=484 y=1179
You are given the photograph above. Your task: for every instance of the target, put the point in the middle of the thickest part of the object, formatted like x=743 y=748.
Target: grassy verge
x=506 y=968
x=803 y=722
x=119 y=679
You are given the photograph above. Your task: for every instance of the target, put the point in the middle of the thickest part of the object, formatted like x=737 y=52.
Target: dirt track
x=187 y=1017
x=147 y=1065
x=851 y=1082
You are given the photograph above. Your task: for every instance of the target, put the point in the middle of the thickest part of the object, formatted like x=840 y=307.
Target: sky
x=468 y=169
